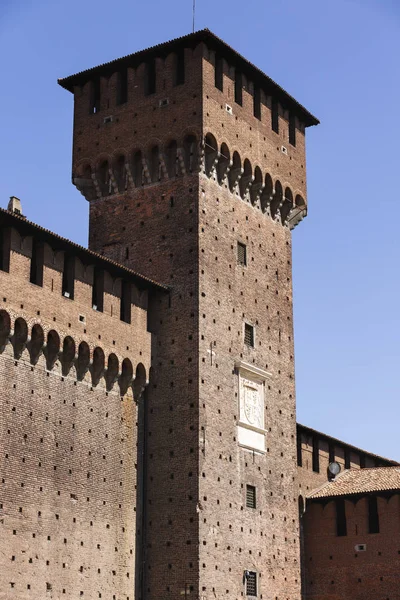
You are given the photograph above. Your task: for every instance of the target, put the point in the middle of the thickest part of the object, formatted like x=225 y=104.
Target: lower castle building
x=148 y=440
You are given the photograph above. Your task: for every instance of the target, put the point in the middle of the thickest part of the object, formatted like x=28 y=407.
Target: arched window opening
x=126 y=301
x=287 y=205
x=20 y=337
x=275 y=116
x=5 y=328
x=155 y=164
x=94 y=100
x=292 y=129
x=68 y=279
x=68 y=354
x=277 y=198
x=122 y=86
x=104 y=179
x=37 y=262
x=36 y=344
x=256 y=186
x=140 y=382
x=219 y=72
x=52 y=349
x=224 y=160
x=172 y=159
x=257 y=103
x=191 y=153
x=98 y=289
x=245 y=179
x=235 y=171
x=137 y=169
x=112 y=371
x=211 y=153
x=98 y=365
x=238 y=87
x=299 y=201
x=126 y=377
x=120 y=173
x=83 y=361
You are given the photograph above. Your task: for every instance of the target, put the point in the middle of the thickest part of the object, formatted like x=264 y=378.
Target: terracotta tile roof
x=214 y=42
x=21 y=223
x=359 y=481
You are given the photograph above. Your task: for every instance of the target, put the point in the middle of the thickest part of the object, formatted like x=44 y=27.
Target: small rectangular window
x=249 y=335
x=292 y=129
x=94 y=106
x=180 y=68
x=122 y=87
x=98 y=289
x=250 y=496
x=362 y=461
x=341 y=523
x=315 y=455
x=150 y=78
x=373 y=515
x=238 y=87
x=275 y=116
x=5 y=249
x=37 y=263
x=251 y=583
x=219 y=73
x=299 y=450
x=257 y=103
x=242 y=254
x=68 y=281
x=347 y=460
x=125 y=313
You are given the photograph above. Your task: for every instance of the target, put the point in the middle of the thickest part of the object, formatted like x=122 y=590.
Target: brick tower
x=193 y=163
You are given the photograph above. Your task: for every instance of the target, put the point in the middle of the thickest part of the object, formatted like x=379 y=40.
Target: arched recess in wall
x=287 y=205
x=20 y=337
x=97 y=365
x=52 y=349
x=224 y=160
x=35 y=346
x=256 y=186
x=245 y=179
x=137 y=169
x=266 y=194
x=299 y=202
x=210 y=153
x=84 y=182
x=126 y=376
x=112 y=371
x=68 y=354
x=190 y=149
x=155 y=165
x=103 y=178
x=171 y=152
x=5 y=328
x=120 y=173
x=140 y=381
x=277 y=199
x=83 y=361
x=235 y=171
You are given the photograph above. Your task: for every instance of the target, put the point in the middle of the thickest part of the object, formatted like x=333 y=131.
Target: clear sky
x=341 y=60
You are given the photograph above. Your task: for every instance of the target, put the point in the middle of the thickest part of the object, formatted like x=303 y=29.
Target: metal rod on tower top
x=194 y=12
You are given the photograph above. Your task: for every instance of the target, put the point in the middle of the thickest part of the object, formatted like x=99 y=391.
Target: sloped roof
x=57 y=241
x=191 y=40
x=359 y=481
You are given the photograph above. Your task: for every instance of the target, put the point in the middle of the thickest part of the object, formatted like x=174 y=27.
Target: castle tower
x=193 y=163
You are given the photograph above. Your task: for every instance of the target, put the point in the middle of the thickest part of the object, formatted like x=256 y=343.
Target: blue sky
x=339 y=59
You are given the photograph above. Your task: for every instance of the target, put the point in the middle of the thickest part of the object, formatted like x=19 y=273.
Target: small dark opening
x=37 y=262
x=125 y=307
x=299 y=450
x=5 y=248
x=219 y=73
x=238 y=87
x=242 y=254
x=249 y=335
x=347 y=458
x=95 y=96
x=257 y=103
x=68 y=282
x=98 y=289
x=292 y=129
x=331 y=453
x=275 y=116
x=315 y=454
x=150 y=80
x=250 y=496
x=362 y=461
x=373 y=515
x=341 y=523
x=180 y=68
x=122 y=87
